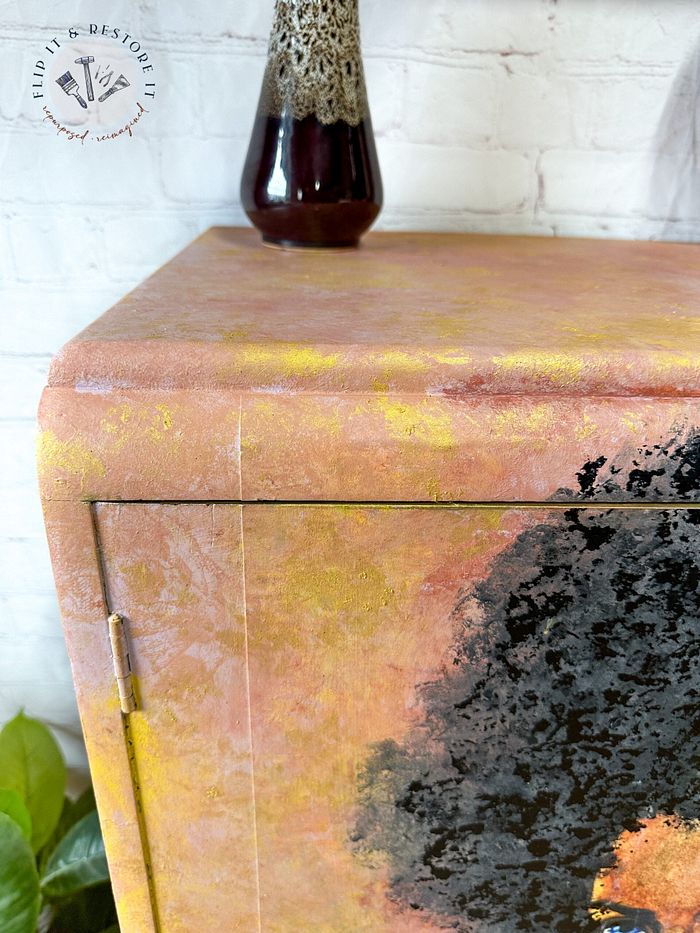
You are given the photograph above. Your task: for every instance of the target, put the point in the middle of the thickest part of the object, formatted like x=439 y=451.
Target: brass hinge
x=122 y=667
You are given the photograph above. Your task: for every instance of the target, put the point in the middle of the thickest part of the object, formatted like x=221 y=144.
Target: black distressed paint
x=571 y=711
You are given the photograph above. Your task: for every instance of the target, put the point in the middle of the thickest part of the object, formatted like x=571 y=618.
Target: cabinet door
x=176 y=574
x=386 y=718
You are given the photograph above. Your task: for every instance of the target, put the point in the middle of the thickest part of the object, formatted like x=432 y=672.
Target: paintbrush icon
x=69 y=85
x=118 y=85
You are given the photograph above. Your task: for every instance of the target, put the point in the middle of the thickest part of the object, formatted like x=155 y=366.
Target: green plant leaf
x=12 y=804
x=84 y=804
x=66 y=820
x=32 y=765
x=91 y=910
x=71 y=813
x=19 y=880
x=78 y=861
x=113 y=929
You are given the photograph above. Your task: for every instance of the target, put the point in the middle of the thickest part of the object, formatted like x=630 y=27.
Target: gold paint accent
x=433 y=488
x=452 y=357
x=632 y=421
x=111 y=426
x=161 y=422
x=145 y=845
x=67 y=456
x=167 y=416
x=403 y=420
x=671 y=362
x=237 y=333
x=144 y=580
x=399 y=360
x=291 y=359
x=585 y=430
x=559 y=368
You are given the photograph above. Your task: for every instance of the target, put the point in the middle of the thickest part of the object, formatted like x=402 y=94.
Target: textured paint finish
x=175 y=575
x=112 y=444
x=76 y=563
x=347 y=609
x=425 y=368
x=434 y=449
x=568 y=715
x=282 y=649
x=438 y=314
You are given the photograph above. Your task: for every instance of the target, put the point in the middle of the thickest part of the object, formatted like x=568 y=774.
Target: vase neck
x=314 y=62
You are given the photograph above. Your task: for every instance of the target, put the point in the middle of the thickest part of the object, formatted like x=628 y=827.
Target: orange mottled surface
x=442 y=314
x=392 y=407
x=423 y=367
x=658 y=869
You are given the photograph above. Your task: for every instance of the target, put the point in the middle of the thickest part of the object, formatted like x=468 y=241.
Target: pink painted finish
x=273 y=642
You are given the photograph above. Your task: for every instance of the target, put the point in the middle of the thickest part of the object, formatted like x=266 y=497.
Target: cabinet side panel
x=145 y=444
x=76 y=569
x=174 y=572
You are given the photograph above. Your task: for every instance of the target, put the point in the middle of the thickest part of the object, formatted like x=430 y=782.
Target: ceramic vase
x=311 y=176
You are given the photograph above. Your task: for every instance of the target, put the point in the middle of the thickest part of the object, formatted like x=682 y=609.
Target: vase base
x=309 y=247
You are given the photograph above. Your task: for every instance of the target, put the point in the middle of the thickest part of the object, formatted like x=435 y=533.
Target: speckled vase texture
x=311 y=176
x=314 y=63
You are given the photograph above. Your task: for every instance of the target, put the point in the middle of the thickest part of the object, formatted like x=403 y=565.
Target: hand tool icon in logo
x=69 y=85
x=85 y=61
x=118 y=85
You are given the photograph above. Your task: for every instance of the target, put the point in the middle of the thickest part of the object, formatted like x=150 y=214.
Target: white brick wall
x=565 y=117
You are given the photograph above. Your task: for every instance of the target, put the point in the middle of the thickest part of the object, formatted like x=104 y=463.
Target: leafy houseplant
x=53 y=870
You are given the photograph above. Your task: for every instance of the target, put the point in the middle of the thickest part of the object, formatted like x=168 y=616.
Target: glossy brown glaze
x=306 y=183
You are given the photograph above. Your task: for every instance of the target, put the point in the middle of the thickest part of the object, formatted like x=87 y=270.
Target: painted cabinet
x=405 y=545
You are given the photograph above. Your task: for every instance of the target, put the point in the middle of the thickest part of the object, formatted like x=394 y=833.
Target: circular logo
x=92 y=82
x=97 y=78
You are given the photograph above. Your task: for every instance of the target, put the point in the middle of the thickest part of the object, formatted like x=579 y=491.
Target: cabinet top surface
x=451 y=314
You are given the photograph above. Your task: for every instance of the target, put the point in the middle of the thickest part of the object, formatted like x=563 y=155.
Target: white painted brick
x=24 y=659
x=22 y=517
x=203 y=170
x=674 y=187
x=617 y=228
x=644 y=31
x=34 y=614
x=522 y=223
x=230 y=91
x=47 y=169
x=498 y=26
x=136 y=245
x=537 y=111
x=7 y=269
x=32 y=15
x=176 y=109
x=625 y=114
x=22 y=380
x=232 y=18
x=15 y=83
x=454 y=179
x=598 y=183
x=450 y=105
x=387 y=93
x=36 y=320
x=55 y=248
x=17 y=458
